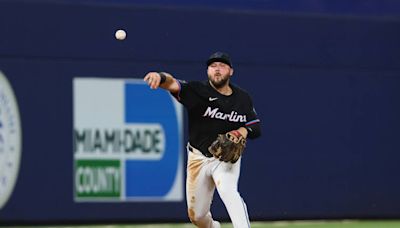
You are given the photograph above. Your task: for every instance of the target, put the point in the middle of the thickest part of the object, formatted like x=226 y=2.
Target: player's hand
x=153 y=79
x=243 y=131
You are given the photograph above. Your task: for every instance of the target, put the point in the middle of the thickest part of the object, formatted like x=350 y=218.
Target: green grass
x=280 y=224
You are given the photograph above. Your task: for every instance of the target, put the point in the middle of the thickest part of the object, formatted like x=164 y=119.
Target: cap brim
x=222 y=60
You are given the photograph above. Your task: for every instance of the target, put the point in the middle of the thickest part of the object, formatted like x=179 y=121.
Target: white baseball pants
x=203 y=175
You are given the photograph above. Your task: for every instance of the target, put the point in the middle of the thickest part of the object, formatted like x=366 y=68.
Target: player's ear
x=231 y=72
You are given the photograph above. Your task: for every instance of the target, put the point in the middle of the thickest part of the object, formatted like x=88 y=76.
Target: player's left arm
x=252 y=128
x=251 y=131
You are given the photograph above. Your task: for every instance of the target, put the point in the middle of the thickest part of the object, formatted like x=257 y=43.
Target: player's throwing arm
x=162 y=80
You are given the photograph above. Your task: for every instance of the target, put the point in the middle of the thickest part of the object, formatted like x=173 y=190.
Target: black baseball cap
x=219 y=57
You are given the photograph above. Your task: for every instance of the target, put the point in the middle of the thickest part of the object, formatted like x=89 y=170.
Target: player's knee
x=192 y=216
x=196 y=219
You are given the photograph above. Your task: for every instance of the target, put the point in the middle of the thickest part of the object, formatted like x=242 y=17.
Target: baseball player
x=217 y=110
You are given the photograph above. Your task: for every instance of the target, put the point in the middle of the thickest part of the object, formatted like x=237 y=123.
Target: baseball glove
x=228 y=147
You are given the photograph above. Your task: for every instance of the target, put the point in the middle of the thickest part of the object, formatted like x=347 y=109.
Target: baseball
x=120 y=34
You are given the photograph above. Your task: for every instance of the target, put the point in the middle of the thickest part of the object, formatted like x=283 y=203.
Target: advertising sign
x=127 y=142
x=10 y=140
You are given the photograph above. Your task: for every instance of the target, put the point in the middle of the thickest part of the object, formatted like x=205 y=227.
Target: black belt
x=191 y=149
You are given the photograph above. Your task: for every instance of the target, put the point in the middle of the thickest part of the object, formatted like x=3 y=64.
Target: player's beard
x=223 y=81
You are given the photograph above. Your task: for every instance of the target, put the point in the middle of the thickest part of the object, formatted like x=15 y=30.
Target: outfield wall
x=326 y=88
